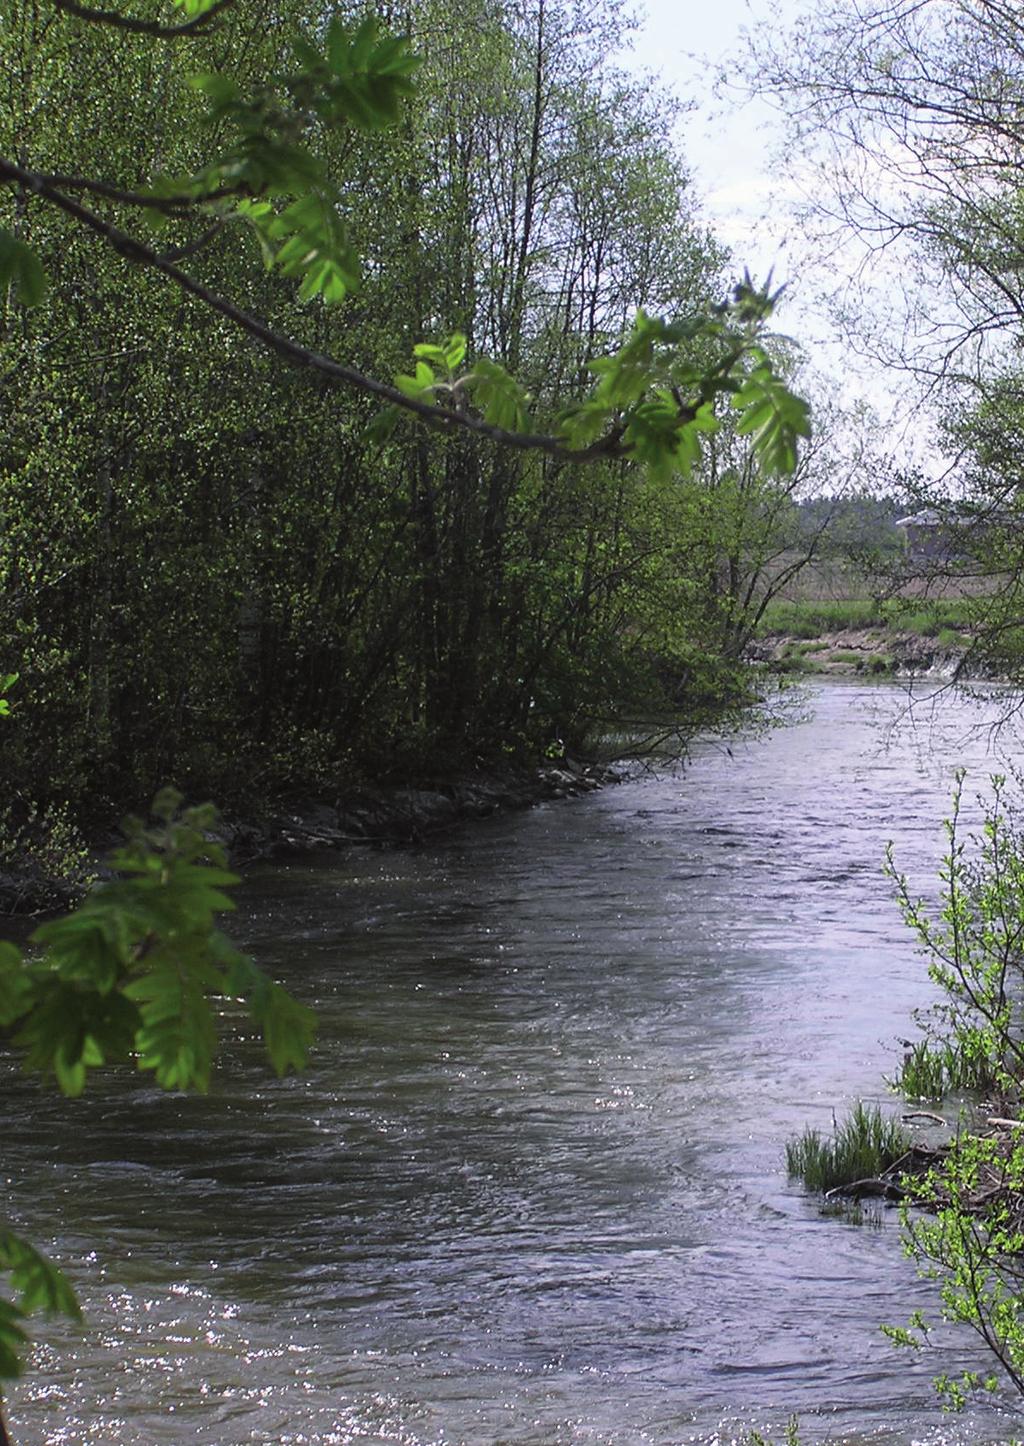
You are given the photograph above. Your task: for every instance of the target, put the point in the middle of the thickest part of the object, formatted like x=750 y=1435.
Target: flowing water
x=531 y=1190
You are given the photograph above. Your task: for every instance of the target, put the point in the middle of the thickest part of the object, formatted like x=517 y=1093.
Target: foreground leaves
x=38 y=1286
x=137 y=975
x=654 y=400
x=138 y=972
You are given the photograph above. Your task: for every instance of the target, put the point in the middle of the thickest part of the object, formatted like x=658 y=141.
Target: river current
x=532 y=1188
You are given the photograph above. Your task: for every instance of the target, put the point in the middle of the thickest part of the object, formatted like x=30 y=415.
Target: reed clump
x=931 y=1070
x=862 y=1147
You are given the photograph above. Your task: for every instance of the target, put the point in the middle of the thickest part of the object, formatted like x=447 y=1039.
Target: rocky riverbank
x=401 y=817
x=881 y=651
x=378 y=817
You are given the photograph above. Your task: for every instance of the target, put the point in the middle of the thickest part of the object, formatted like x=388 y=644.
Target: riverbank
x=901 y=637
x=396 y=817
x=880 y=651
x=46 y=877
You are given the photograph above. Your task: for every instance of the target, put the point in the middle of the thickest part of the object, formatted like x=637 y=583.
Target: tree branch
x=198 y=25
x=136 y=251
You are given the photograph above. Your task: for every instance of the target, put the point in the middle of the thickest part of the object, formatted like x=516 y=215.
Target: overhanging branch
x=607 y=447
x=197 y=25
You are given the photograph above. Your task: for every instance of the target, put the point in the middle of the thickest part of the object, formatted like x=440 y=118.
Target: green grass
x=950 y=638
x=931 y=618
x=931 y=1071
x=811 y=619
x=861 y=1148
x=928 y=618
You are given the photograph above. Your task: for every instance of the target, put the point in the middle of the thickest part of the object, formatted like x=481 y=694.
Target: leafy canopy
x=653 y=400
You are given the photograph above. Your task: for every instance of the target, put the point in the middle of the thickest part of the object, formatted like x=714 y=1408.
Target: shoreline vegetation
x=56 y=867
x=960 y=1191
x=901 y=637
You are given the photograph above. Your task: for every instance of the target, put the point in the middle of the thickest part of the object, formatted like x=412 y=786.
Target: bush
x=974 y=943
x=929 y=1070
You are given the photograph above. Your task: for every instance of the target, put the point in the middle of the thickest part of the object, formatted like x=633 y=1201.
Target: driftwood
x=910 y=1178
x=891 y=1184
x=875 y=1187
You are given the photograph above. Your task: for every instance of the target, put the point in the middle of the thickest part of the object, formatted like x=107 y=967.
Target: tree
x=907 y=116
x=904 y=118
x=365 y=592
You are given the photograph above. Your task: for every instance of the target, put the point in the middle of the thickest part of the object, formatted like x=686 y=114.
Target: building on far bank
x=934 y=535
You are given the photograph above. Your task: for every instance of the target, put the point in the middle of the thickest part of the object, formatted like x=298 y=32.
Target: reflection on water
x=531 y=1189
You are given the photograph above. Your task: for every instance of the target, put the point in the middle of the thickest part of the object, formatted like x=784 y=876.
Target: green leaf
x=13 y=1341
x=176 y=1036
x=20 y=272
x=314 y=247
x=288 y=1027
x=194 y=8
x=17 y=985
x=773 y=417
x=583 y=424
x=430 y=353
x=67 y=1029
x=381 y=427
x=448 y=355
x=499 y=396
x=221 y=90
x=409 y=387
x=417 y=386
x=90 y=946
x=455 y=351
x=39 y=1286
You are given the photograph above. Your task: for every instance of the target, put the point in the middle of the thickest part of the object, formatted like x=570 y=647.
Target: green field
x=812 y=619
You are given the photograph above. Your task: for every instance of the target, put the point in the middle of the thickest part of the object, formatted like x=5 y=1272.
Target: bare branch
x=200 y=24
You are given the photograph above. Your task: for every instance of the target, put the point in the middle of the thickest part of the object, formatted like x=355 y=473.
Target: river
x=531 y=1189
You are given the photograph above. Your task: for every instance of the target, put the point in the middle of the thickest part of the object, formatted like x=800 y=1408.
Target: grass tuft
x=861 y=1148
x=930 y=1071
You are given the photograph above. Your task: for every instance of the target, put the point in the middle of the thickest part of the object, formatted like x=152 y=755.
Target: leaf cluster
x=38 y=1286
x=655 y=398
x=137 y=973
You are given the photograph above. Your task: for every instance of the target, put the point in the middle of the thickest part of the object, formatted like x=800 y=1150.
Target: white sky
x=728 y=147
x=731 y=148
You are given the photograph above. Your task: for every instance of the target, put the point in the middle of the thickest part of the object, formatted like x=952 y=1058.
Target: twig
x=143 y=27
x=606 y=447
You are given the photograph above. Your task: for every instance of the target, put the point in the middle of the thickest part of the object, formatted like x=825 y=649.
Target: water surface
x=531 y=1189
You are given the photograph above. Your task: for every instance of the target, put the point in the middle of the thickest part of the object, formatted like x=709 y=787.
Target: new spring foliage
x=138 y=975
